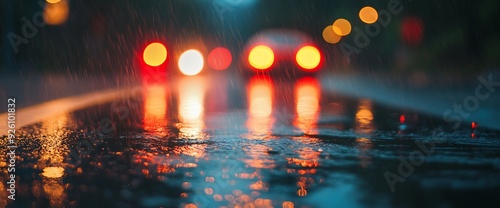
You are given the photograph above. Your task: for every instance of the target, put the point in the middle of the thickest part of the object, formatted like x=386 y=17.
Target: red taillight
x=155 y=54
x=220 y=58
x=261 y=57
x=308 y=58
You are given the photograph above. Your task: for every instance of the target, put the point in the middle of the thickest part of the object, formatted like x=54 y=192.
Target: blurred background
x=96 y=36
x=251 y=103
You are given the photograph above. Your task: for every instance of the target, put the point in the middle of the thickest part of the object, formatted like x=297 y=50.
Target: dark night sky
x=454 y=31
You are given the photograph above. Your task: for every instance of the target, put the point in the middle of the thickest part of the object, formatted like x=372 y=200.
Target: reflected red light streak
x=155 y=108
x=260 y=97
x=260 y=106
x=307 y=94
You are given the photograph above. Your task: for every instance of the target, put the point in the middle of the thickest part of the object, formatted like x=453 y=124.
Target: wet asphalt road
x=215 y=142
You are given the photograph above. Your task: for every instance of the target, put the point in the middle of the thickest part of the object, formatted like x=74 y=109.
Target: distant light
x=191 y=62
x=474 y=125
x=342 y=27
x=308 y=57
x=402 y=119
x=220 y=58
x=155 y=54
x=412 y=30
x=261 y=57
x=330 y=36
x=368 y=15
x=56 y=12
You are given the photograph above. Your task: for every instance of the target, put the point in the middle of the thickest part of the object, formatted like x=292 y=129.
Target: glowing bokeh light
x=330 y=36
x=155 y=54
x=261 y=57
x=308 y=57
x=191 y=62
x=220 y=58
x=412 y=30
x=342 y=27
x=368 y=15
x=56 y=12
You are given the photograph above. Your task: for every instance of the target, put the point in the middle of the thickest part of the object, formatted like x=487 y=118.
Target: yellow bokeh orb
x=155 y=54
x=308 y=57
x=191 y=62
x=368 y=15
x=330 y=36
x=261 y=57
x=342 y=27
x=53 y=1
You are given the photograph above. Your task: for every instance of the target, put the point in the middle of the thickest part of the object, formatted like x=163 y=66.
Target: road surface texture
x=218 y=141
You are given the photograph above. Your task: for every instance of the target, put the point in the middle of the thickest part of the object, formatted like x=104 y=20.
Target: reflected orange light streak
x=259 y=157
x=307 y=94
x=364 y=125
x=191 y=107
x=155 y=108
x=53 y=151
x=260 y=105
x=364 y=118
x=308 y=158
x=363 y=146
x=52 y=154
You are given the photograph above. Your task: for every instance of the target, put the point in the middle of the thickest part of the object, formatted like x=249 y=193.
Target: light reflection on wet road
x=204 y=142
